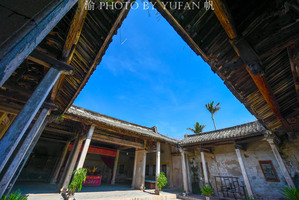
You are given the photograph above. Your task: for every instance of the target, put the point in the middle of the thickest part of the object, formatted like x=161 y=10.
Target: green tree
x=213 y=109
x=197 y=128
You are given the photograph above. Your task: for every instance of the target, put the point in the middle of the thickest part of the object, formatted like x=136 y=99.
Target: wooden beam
x=53 y=62
x=71 y=41
x=14 y=52
x=188 y=39
x=293 y=52
x=117 y=141
x=225 y=19
x=98 y=57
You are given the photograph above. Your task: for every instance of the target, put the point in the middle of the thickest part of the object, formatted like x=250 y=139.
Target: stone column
x=188 y=174
x=204 y=167
x=158 y=152
x=85 y=148
x=115 y=167
x=139 y=173
x=281 y=164
x=244 y=173
x=71 y=167
x=61 y=161
x=170 y=168
x=184 y=171
x=134 y=170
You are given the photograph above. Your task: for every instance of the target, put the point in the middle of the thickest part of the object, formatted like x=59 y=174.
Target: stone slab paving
x=41 y=191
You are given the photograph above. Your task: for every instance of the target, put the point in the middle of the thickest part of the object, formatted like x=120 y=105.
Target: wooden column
x=158 y=153
x=188 y=174
x=184 y=171
x=19 y=161
x=281 y=164
x=85 y=148
x=204 y=167
x=244 y=173
x=60 y=163
x=16 y=131
x=115 y=167
x=72 y=165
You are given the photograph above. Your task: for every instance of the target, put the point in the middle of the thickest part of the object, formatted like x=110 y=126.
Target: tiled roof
x=243 y=130
x=97 y=117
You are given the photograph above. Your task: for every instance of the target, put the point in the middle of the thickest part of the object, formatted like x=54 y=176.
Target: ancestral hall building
x=50 y=48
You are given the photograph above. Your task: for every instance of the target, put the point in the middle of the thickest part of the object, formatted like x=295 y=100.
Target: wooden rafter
x=225 y=19
x=71 y=41
x=293 y=52
x=97 y=59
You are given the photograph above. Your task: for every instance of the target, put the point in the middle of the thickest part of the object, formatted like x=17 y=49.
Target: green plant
x=207 y=191
x=290 y=193
x=213 y=109
x=78 y=179
x=161 y=180
x=197 y=128
x=15 y=196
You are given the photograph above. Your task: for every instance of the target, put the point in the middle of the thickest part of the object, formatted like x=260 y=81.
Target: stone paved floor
x=42 y=191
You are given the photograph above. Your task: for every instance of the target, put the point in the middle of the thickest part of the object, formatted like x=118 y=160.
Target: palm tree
x=197 y=128
x=213 y=109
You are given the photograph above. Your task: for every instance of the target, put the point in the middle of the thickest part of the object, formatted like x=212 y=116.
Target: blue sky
x=150 y=76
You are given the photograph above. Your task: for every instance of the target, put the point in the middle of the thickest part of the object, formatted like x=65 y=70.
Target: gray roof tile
x=242 y=130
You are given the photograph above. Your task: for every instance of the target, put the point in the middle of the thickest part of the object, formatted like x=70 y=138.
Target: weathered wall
x=177 y=172
x=127 y=160
x=223 y=162
x=289 y=152
x=164 y=160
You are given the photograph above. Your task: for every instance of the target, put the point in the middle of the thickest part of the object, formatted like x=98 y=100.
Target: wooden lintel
x=117 y=141
x=71 y=41
x=44 y=58
x=249 y=140
x=224 y=16
x=97 y=59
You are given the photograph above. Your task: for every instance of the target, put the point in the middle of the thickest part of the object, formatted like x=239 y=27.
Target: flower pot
x=207 y=198
x=184 y=194
x=157 y=192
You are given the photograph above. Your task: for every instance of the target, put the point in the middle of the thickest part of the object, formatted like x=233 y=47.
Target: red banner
x=93 y=180
x=99 y=151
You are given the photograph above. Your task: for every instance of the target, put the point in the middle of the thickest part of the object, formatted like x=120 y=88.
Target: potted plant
x=161 y=182
x=15 y=196
x=290 y=193
x=78 y=179
x=207 y=191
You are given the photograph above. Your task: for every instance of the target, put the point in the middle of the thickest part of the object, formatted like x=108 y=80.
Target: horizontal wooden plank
x=117 y=141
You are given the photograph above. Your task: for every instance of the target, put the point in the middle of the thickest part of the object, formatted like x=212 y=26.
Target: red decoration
x=98 y=150
x=93 y=180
